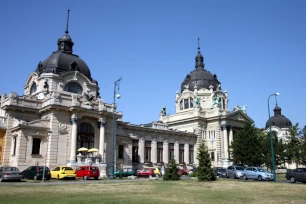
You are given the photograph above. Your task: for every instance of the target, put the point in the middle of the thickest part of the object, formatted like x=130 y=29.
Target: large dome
x=200 y=76
x=278 y=119
x=59 y=62
x=63 y=60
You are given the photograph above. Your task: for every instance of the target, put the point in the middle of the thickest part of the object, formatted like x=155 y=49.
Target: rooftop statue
x=197 y=103
x=162 y=111
x=216 y=102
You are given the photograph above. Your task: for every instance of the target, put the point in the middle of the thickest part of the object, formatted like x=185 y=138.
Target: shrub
x=171 y=172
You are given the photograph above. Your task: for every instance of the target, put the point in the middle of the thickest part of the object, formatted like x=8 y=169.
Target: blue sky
x=256 y=48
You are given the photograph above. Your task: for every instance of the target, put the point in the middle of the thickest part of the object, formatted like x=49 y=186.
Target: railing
x=3 y=122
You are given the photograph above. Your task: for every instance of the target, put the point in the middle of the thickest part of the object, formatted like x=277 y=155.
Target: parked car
x=149 y=172
x=61 y=172
x=295 y=175
x=10 y=173
x=234 y=171
x=257 y=173
x=36 y=172
x=221 y=172
x=182 y=172
x=125 y=172
x=88 y=171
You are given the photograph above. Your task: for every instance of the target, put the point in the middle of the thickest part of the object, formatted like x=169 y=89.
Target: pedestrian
x=162 y=171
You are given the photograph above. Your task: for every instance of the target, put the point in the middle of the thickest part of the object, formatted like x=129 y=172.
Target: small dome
x=278 y=119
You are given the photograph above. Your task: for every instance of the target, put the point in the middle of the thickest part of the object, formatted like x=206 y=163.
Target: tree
x=294 y=154
x=303 y=146
x=247 y=146
x=204 y=170
x=171 y=172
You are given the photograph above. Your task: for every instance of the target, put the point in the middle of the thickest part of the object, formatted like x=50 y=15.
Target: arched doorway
x=86 y=136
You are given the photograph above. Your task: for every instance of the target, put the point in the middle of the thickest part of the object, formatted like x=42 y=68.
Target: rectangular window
x=191 y=156
x=135 y=151
x=148 y=151
x=191 y=102
x=212 y=156
x=15 y=145
x=120 y=151
x=36 y=146
x=181 y=153
x=171 y=151
x=186 y=103
x=160 y=149
x=181 y=105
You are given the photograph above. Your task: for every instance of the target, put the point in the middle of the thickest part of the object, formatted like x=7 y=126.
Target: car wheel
x=48 y=178
x=259 y=178
x=292 y=180
x=96 y=178
x=35 y=178
x=234 y=176
x=244 y=177
x=85 y=177
x=58 y=177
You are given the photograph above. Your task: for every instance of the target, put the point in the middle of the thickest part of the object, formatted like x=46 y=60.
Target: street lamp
x=271 y=139
x=111 y=175
x=44 y=169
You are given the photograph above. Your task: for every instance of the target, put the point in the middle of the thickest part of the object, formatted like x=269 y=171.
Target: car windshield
x=67 y=168
x=262 y=170
x=11 y=169
x=240 y=168
x=221 y=170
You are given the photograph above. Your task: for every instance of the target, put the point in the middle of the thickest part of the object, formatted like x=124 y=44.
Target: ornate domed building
x=202 y=108
x=61 y=118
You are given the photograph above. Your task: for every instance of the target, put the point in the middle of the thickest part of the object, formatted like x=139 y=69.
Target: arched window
x=73 y=87
x=86 y=136
x=33 y=88
x=191 y=102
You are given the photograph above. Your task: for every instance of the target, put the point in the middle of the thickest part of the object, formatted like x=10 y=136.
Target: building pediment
x=35 y=124
x=239 y=116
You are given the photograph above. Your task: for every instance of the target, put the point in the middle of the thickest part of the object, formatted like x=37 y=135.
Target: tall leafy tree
x=294 y=145
x=204 y=170
x=246 y=146
x=303 y=146
x=281 y=152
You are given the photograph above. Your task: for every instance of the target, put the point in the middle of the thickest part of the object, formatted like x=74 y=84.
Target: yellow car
x=61 y=172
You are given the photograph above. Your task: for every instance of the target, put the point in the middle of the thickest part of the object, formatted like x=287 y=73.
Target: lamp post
x=212 y=147
x=44 y=169
x=271 y=138
x=111 y=175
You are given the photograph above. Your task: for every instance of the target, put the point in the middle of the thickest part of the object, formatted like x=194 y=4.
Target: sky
x=256 y=48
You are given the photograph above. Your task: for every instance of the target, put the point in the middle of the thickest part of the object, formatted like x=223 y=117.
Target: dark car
x=125 y=172
x=221 y=172
x=36 y=172
x=88 y=171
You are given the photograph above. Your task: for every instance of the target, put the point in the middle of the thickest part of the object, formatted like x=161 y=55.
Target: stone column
x=166 y=152
x=230 y=136
x=186 y=153
x=176 y=152
x=225 y=143
x=73 y=142
x=141 y=147
x=154 y=152
x=102 y=139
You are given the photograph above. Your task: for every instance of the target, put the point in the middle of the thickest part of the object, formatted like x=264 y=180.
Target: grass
x=187 y=191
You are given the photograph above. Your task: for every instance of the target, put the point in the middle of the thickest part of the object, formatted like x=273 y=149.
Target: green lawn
x=187 y=191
